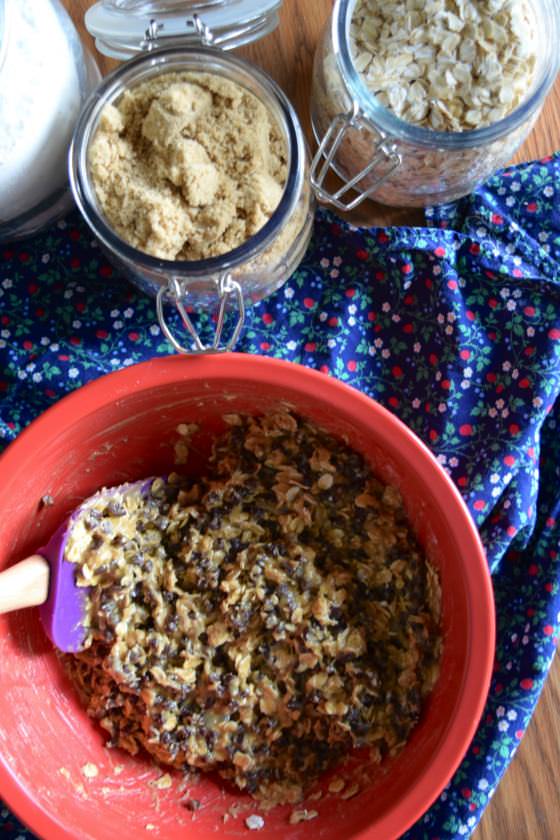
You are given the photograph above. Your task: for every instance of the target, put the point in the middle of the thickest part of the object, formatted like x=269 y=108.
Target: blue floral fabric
x=455 y=327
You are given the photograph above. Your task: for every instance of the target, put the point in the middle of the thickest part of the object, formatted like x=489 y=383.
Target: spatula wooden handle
x=24 y=585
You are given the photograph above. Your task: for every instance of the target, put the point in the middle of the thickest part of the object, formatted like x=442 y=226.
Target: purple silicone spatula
x=48 y=580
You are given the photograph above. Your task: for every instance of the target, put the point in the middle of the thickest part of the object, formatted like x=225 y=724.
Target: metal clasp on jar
x=200 y=32
x=177 y=291
x=384 y=161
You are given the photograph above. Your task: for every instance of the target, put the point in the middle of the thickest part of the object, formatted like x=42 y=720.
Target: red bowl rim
x=167 y=370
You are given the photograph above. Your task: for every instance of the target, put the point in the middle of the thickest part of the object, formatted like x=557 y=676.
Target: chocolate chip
x=114 y=508
x=96 y=542
x=192 y=805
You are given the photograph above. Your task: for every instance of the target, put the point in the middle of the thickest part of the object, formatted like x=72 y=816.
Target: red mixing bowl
x=120 y=428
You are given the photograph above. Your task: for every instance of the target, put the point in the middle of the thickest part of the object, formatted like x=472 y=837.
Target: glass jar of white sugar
x=415 y=103
x=44 y=76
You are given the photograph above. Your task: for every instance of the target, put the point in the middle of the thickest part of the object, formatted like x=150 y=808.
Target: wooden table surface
x=526 y=805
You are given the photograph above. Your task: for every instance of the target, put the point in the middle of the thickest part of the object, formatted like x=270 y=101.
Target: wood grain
x=527 y=803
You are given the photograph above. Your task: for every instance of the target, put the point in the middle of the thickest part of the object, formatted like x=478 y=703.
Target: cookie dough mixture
x=261 y=621
x=187 y=165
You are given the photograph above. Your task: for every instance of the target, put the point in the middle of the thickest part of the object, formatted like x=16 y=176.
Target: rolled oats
x=302 y=815
x=336 y=785
x=430 y=74
x=451 y=65
x=162 y=783
x=350 y=792
x=90 y=770
x=237 y=626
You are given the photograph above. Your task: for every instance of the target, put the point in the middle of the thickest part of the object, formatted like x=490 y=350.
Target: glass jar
x=119 y=26
x=378 y=155
x=249 y=272
x=45 y=74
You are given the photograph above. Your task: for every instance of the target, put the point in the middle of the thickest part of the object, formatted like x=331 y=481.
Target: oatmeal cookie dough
x=187 y=165
x=261 y=621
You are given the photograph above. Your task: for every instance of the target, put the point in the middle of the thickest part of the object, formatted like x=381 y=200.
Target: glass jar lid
x=123 y=28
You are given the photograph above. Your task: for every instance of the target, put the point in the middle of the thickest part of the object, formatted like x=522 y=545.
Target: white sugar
x=39 y=103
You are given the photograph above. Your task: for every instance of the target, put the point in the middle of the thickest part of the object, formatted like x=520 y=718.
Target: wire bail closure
x=384 y=162
x=228 y=289
x=203 y=31
x=195 y=29
x=150 y=41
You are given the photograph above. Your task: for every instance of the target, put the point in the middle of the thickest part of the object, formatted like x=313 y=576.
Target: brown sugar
x=187 y=165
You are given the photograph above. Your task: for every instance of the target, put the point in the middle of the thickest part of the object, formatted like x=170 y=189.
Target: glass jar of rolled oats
x=190 y=164
x=415 y=103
